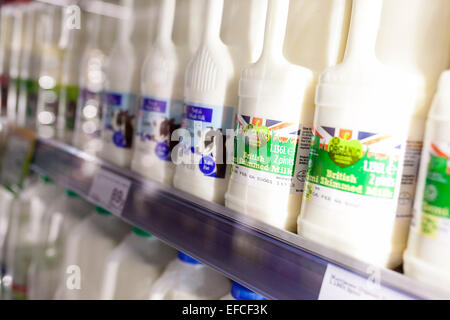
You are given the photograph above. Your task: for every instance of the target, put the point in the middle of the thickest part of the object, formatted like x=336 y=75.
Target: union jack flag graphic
x=443 y=151
x=378 y=145
x=440 y=150
x=279 y=130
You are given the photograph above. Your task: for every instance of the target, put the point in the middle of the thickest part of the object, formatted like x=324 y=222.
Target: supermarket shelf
x=272 y=262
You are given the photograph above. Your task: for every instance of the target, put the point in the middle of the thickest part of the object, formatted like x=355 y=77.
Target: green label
x=30 y=88
x=355 y=162
x=436 y=199
x=69 y=97
x=266 y=145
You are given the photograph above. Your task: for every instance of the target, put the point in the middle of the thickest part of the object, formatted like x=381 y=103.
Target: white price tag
x=340 y=284
x=110 y=191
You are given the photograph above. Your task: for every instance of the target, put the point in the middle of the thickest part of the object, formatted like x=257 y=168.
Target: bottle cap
x=185 y=258
x=141 y=233
x=72 y=194
x=100 y=210
x=242 y=293
x=45 y=179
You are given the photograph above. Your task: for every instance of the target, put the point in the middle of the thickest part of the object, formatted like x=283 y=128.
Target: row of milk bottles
x=348 y=143
x=67 y=249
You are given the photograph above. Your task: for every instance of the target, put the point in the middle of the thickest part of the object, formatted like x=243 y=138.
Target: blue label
x=162 y=151
x=153 y=105
x=157 y=120
x=199 y=114
x=211 y=121
x=207 y=166
x=119 y=118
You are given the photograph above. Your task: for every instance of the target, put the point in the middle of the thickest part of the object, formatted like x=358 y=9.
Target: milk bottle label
x=158 y=119
x=119 y=119
x=435 y=219
x=354 y=170
x=205 y=153
x=411 y=165
x=4 y=85
x=29 y=89
x=69 y=95
x=270 y=153
x=90 y=104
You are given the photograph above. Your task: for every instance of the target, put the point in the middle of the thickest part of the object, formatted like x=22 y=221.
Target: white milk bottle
x=134 y=266
x=239 y=292
x=6 y=30
x=427 y=258
x=354 y=170
x=85 y=255
x=45 y=270
x=92 y=82
x=420 y=43
x=50 y=73
x=188 y=279
x=162 y=106
x=70 y=74
x=30 y=67
x=26 y=234
x=210 y=102
x=271 y=144
x=17 y=43
x=161 y=109
x=209 y=108
x=121 y=99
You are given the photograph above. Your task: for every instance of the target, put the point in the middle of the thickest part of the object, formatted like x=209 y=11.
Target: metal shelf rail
x=270 y=261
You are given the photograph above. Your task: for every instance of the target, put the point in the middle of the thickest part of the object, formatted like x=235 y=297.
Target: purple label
x=119 y=139
x=207 y=165
x=153 y=105
x=199 y=114
x=113 y=99
x=88 y=94
x=162 y=151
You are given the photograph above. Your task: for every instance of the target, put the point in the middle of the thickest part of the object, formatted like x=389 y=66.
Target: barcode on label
x=110 y=191
x=340 y=284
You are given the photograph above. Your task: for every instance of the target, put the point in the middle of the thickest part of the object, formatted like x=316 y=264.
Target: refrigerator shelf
x=274 y=263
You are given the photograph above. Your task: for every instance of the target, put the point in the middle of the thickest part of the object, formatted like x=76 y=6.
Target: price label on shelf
x=110 y=191
x=340 y=284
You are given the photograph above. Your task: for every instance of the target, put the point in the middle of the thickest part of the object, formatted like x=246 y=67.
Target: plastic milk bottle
x=121 y=99
x=70 y=75
x=134 y=265
x=354 y=170
x=162 y=105
x=427 y=257
x=30 y=67
x=92 y=83
x=210 y=101
x=187 y=279
x=271 y=145
x=86 y=253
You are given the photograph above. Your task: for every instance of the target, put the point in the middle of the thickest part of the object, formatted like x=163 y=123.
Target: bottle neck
x=364 y=28
x=276 y=23
x=165 y=21
x=214 y=13
x=126 y=23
